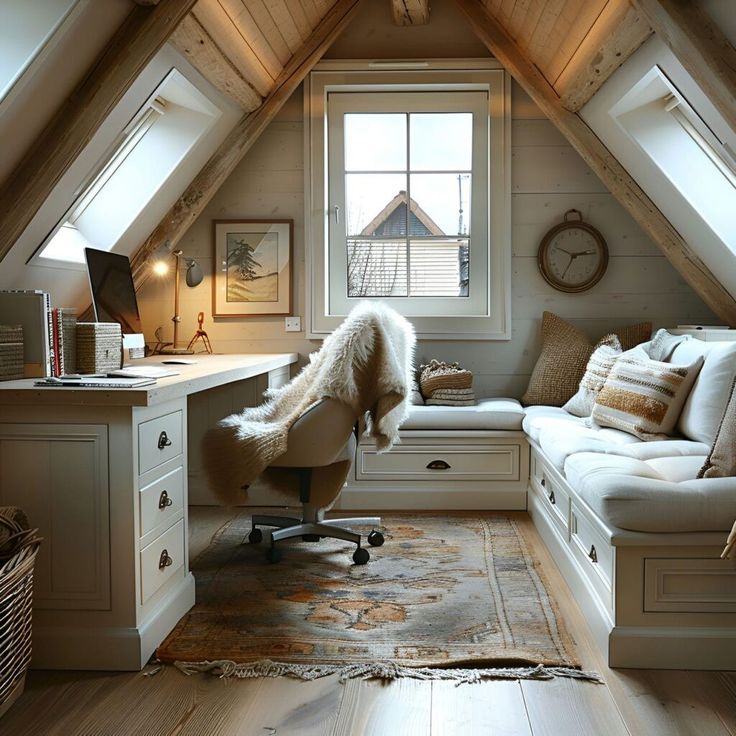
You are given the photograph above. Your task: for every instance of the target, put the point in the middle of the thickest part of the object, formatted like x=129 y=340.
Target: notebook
x=96 y=382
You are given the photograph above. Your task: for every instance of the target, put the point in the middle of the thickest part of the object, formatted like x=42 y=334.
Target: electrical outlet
x=293 y=324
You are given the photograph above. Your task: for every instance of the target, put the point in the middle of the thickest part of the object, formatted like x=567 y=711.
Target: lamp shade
x=194 y=273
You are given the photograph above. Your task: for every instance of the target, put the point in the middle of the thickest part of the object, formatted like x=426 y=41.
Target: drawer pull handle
x=551 y=497
x=164 y=500
x=438 y=465
x=164 y=560
x=543 y=482
x=163 y=441
x=593 y=554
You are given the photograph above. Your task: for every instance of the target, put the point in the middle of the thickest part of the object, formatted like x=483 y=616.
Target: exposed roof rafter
x=143 y=33
x=410 y=12
x=601 y=161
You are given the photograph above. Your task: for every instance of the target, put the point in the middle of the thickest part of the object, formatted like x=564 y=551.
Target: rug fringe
x=380 y=670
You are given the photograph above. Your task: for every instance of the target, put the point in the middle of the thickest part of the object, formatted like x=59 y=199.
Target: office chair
x=321 y=448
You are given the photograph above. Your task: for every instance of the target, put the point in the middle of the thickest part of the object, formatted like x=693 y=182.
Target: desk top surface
x=208 y=372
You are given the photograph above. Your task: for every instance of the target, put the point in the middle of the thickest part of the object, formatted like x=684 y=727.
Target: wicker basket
x=16 y=601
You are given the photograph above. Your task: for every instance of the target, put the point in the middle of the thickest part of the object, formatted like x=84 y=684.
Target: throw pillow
x=565 y=353
x=596 y=372
x=644 y=397
x=721 y=461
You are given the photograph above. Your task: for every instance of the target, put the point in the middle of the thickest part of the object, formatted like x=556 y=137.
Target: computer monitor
x=113 y=294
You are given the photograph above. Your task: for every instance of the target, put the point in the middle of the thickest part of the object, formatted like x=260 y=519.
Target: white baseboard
x=430 y=499
x=674 y=648
x=113 y=648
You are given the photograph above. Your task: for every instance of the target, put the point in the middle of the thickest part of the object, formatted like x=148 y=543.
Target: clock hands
x=573 y=256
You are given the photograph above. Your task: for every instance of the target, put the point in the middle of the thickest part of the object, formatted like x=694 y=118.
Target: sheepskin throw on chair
x=366 y=363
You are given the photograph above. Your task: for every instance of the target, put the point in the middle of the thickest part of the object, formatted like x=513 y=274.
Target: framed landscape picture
x=252 y=267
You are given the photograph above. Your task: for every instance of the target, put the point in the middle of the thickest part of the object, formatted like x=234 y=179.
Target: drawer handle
x=593 y=554
x=551 y=497
x=164 y=500
x=163 y=441
x=164 y=560
x=438 y=465
x=543 y=482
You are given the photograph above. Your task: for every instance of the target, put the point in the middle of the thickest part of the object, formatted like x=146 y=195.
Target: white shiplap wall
x=548 y=178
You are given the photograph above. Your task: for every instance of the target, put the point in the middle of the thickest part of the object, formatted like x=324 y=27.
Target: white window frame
x=486 y=318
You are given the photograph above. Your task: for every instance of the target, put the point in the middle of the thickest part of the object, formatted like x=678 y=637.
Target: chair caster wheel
x=255 y=536
x=273 y=555
x=375 y=539
x=361 y=556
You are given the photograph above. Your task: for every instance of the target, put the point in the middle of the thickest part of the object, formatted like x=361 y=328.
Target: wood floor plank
x=494 y=708
x=289 y=707
x=377 y=708
x=584 y=708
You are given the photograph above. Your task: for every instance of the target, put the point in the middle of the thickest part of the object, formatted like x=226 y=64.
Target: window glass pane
x=442 y=203
x=441 y=141
x=373 y=204
x=439 y=268
x=375 y=142
x=376 y=268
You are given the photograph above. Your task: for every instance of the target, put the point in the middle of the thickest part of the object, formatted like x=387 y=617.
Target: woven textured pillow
x=721 y=461
x=644 y=397
x=596 y=373
x=564 y=357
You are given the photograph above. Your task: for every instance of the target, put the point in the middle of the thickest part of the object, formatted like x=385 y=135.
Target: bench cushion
x=488 y=414
x=659 y=495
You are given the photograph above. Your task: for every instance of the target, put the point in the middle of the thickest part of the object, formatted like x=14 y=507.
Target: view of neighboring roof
x=391 y=220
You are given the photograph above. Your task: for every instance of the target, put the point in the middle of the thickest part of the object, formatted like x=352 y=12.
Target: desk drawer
x=159 y=440
x=161 y=500
x=161 y=559
x=479 y=462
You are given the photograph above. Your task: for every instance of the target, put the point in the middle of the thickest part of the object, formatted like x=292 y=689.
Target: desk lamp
x=193 y=277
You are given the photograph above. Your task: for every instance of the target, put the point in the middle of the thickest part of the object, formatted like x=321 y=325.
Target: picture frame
x=252 y=267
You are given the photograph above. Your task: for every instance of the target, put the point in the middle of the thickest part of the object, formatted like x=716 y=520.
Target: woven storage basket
x=16 y=603
x=11 y=352
x=99 y=347
x=438 y=375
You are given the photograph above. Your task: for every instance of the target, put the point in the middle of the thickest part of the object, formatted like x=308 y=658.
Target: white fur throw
x=366 y=363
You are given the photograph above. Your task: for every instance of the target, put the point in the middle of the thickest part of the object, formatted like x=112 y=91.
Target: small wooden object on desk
x=99 y=347
x=11 y=352
x=200 y=334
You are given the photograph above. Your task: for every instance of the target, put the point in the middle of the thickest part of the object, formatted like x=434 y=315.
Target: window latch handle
x=337 y=214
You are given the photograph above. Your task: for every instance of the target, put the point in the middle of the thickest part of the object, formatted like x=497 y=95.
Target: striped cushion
x=644 y=397
x=596 y=372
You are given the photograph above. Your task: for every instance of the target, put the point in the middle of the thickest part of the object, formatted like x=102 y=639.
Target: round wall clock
x=573 y=256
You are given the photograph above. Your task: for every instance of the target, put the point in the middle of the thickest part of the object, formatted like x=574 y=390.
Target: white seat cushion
x=537 y=418
x=558 y=446
x=704 y=408
x=659 y=495
x=501 y=414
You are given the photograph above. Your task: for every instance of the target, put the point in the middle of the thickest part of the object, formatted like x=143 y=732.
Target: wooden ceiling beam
x=700 y=46
x=193 y=41
x=192 y=202
x=617 y=32
x=601 y=161
x=410 y=12
x=136 y=42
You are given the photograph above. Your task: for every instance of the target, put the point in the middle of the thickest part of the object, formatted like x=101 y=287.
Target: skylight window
x=138 y=164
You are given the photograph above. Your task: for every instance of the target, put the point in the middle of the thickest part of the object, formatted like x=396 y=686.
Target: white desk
x=104 y=474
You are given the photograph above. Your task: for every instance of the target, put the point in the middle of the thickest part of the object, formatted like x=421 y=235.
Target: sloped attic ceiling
x=560 y=51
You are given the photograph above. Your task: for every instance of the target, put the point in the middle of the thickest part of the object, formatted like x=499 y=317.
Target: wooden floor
x=635 y=702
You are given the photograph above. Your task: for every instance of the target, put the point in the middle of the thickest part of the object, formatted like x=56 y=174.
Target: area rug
x=446 y=596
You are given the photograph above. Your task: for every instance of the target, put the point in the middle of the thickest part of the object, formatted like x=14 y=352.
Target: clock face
x=573 y=257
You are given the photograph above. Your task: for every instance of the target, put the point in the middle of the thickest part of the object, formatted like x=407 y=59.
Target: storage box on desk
x=11 y=352
x=99 y=347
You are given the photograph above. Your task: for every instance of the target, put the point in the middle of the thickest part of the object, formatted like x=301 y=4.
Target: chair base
x=289 y=527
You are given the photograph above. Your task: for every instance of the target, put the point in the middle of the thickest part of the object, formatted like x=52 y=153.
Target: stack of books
x=49 y=334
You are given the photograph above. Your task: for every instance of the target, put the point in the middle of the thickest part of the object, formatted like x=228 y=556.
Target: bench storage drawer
x=418 y=462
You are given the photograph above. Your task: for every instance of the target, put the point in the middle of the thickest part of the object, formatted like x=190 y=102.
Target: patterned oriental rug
x=456 y=597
